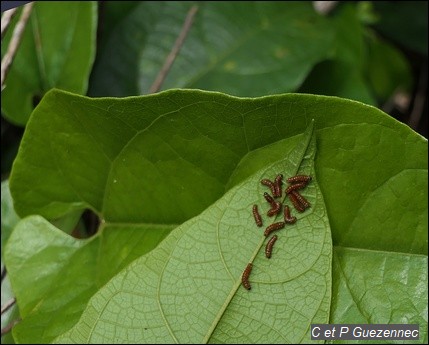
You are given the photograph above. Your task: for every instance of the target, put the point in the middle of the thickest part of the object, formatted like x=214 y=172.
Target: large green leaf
x=243 y=48
x=150 y=159
x=147 y=164
x=57 y=50
x=188 y=290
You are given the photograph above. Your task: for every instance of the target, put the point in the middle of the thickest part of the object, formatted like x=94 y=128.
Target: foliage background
x=374 y=52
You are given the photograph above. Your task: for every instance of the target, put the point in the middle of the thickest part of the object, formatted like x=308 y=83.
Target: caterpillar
x=273 y=227
x=303 y=201
x=257 y=216
x=288 y=218
x=278 y=185
x=295 y=202
x=269 y=184
x=299 y=178
x=275 y=209
x=295 y=186
x=269 y=246
x=269 y=198
x=245 y=276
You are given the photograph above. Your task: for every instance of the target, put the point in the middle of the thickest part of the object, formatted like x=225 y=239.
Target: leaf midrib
x=257 y=249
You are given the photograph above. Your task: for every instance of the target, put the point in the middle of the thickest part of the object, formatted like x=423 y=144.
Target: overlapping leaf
x=151 y=159
x=66 y=272
x=242 y=48
x=189 y=289
x=150 y=163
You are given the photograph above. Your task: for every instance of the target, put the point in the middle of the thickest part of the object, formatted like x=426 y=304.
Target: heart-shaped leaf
x=146 y=164
x=57 y=50
x=189 y=289
x=157 y=152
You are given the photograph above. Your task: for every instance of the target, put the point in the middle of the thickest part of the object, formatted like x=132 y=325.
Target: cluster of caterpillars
x=298 y=201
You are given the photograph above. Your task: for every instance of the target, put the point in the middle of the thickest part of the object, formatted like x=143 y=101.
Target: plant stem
x=175 y=50
x=7 y=328
x=5 y=307
x=6 y=19
x=18 y=32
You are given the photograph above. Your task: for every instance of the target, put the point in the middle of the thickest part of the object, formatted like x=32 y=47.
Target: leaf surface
x=57 y=50
x=9 y=218
x=150 y=159
x=147 y=164
x=189 y=288
x=61 y=290
x=380 y=288
x=249 y=49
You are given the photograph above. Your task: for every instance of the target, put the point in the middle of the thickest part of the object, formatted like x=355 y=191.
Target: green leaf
x=362 y=66
x=9 y=218
x=188 y=290
x=147 y=164
x=68 y=222
x=387 y=69
x=337 y=78
x=349 y=36
x=111 y=14
x=377 y=288
x=61 y=290
x=89 y=154
x=242 y=48
x=342 y=74
x=57 y=50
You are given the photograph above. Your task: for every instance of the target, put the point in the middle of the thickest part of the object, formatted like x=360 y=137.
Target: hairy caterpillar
x=257 y=216
x=245 y=276
x=269 y=246
x=288 y=218
x=274 y=227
